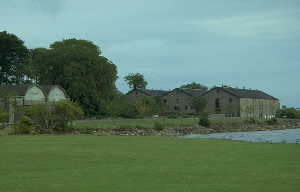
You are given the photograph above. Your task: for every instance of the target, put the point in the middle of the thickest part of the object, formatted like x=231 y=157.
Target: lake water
x=276 y=136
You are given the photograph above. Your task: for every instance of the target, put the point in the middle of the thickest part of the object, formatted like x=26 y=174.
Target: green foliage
x=136 y=80
x=204 y=121
x=3 y=116
x=63 y=113
x=78 y=67
x=147 y=106
x=13 y=59
x=194 y=85
x=54 y=117
x=198 y=104
x=41 y=116
x=291 y=113
x=159 y=126
x=121 y=107
x=36 y=67
x=24 y=126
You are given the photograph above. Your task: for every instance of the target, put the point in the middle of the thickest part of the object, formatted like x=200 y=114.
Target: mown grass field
x=90 y=163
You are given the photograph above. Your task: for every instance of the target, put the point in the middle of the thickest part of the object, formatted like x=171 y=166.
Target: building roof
x=151 y=92
x=192 y=92
x=47 y=88
x=19 y=90
x=246 y=93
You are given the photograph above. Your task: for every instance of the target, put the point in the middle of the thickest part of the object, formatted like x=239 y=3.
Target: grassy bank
x=91 y=163
x=147 y=122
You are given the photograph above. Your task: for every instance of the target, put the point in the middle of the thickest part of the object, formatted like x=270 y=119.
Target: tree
x=147 y=106
x=136 y=80
x=13 y=58
x=198 y=104
x=194 y=85
x=78 y=67
x=36 y=67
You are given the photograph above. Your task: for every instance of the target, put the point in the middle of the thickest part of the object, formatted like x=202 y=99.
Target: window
x=230 y=100
x=186 y=107
x=165 y=101
x=217 y=106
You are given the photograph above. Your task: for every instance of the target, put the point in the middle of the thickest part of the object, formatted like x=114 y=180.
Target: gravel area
x=276 y=136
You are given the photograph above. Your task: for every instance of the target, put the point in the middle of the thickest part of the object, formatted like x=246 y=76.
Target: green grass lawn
x=75 y=163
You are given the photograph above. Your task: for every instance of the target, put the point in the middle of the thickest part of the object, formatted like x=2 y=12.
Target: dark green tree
x=194 y=85
x=13 y=59
x=36 y=68
x=136 y=80
x=198 y=104
x=78 y=67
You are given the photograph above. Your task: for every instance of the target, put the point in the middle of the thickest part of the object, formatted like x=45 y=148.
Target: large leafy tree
x=194 y=85
x=198 y=104
x=13 y=59
x=78 y=67
x=136 y=80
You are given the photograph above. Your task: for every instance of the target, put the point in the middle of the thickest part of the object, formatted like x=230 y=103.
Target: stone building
x=179 y=100
x=233 y=102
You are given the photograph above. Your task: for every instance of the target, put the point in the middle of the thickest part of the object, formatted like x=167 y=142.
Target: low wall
x=195 y=129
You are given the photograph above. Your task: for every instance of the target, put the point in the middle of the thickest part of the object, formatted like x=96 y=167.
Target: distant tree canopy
x=13 y=59
x=194 y=85
x=136 y=80
x=198 y=104
x=78 y=67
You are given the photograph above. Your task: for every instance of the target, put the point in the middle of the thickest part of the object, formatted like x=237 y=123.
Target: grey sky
x=235 y=42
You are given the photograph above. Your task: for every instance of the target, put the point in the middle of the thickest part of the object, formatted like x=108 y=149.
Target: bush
x=3 y=116
x=290 y=113
x=204 y=121
x=24 y=126
x=158 y=126
x=272 y=121
x=63 y=113
x=121 y=107
x=55 y=117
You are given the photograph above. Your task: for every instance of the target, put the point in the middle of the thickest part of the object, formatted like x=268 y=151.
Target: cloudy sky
x=253 y=44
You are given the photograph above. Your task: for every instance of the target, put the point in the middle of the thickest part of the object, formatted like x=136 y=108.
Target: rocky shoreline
x=195 y=129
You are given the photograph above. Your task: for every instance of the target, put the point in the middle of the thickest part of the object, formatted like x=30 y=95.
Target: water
x=276 y=136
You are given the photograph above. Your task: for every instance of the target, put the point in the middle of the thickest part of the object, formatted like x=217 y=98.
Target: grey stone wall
x=229 y=105
x=258 y=108
x=179 y=102
x=136 y=95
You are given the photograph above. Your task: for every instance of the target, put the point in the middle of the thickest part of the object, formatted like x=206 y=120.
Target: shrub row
x=45 y=118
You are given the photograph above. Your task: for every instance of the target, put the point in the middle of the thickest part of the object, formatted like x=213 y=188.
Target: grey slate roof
x=247 y=93
x=154 y=93
x=192 y=92
x=19 y=90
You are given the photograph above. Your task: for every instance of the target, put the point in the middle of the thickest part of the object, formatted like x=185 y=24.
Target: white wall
x=56 y=94
x=34 y=95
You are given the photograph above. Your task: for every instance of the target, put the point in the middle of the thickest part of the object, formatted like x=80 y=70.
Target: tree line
x=80 y=68
x=77 y=65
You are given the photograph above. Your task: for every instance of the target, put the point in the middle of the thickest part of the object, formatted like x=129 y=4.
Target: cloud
x=265 y=25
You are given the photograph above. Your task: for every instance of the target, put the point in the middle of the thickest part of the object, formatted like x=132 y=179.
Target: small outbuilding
x=20 y=96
